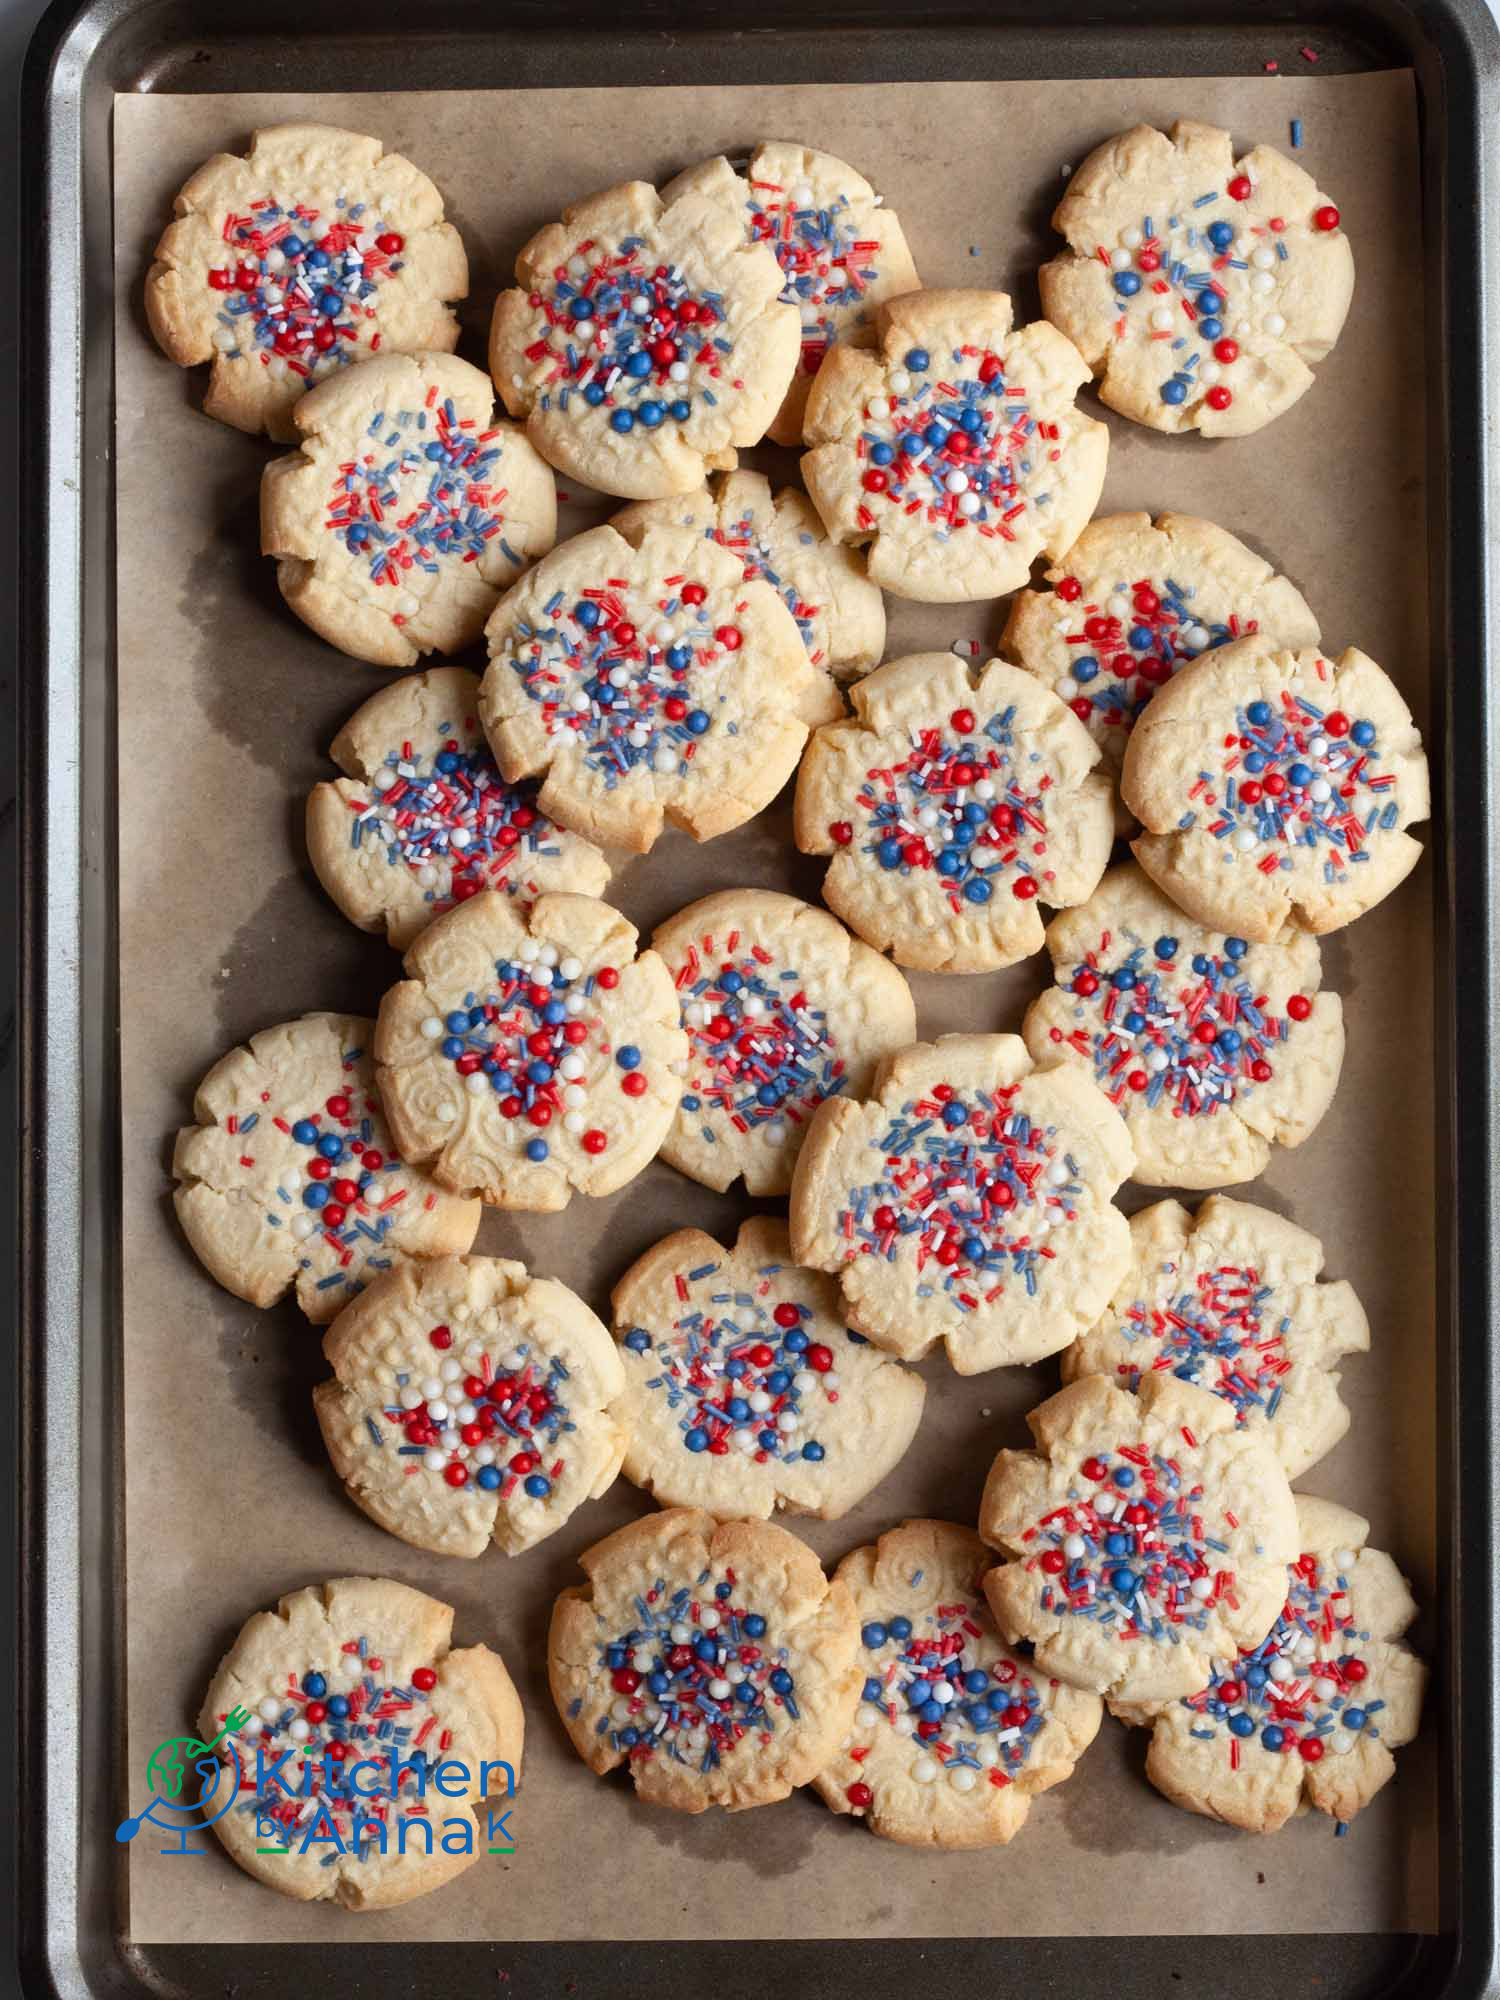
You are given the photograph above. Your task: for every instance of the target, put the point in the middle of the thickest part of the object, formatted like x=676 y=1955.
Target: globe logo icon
x=192 y=1785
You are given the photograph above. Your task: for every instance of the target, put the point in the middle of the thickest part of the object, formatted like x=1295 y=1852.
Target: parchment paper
x=226 y=706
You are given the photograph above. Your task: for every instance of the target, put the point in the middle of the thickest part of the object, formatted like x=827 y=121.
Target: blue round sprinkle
x=1139 y=638
x=695 y=1439
x=681 y=411
x=539 y=1072
x=1166 y=947
x=488 y=1477
x=338 y=1705
x=882 y=453
x=697 y=721
x=1229 y=1040
x=1235 y=947
x=1174 y=390
x=536 y=1149
x=1210 y=301
x=637 y=1340
x=639 y=364
x=812 y=1450
x=1210 y=329
x=315 y=1194
x=1221 y=234
x=1135 y=1021
x=304 y=1132
x=872 y=1690
x=955 y=1113
x=293 y=245
x=781 y=1680
x=538 y=1486
x=976 y=1681
x=978 y=890
x=1258 y=713
x=1123 y=980
x=1354 y=1718
x=973 y=1247
x=1242 y=1724
x=1257 y=1676
x=755 y=1626
x=1124 y=1476
x=453 y=1048
x=621 y=421
x=889 y=853
x=1299 y=774
x=918 y=360
x=587 y=614
x=899 y=1628
x=935 y=435
x=679 y=657
x=314 y=1686
x=949 y=863
x=1363 y=734
x=628 y=1057
x=593 y=393
x=1272 y=1737
x=1084 y=669
x=874 y=1634
x=1127 y=283
x=796 y=1340
x=651 y=414
x=1123 y=1580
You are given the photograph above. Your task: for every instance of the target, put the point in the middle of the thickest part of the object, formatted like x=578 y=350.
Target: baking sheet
x=226 y=705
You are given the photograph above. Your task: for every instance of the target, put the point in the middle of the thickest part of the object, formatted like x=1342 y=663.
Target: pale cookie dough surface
x=1277 y=786
x=649 y=682
x=471 y=1403
x=1146 y=1536
x=1131 y=602
x=314 y=250
x=357 y=1677
x=716 y=1662
x=841 y=251
x=746 y=1391
x=782 y=1009
x=422 y=818
x=781 y=540
x=968 y=1200
x=1199 y=288
x=955 y=1734
x=646 y=340
x=952 y=808
x=1212 y=1049
x=530 y=1053
x=1230 y=1300
x=408 y=510
x=291 y=1177
x=1311 y=1716
x=953 y=448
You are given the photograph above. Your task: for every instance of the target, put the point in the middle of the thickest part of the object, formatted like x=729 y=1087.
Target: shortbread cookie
x=471 y=1403
x=952 y=808
x=1131 y=602
x=529 y=1052
x=782 y=1008
x=1311 y=1715
x=1211 y=1048
x=968 y=1200
x=1198 y=288
x=1147 y=1537
x=367 y=1746
x=955 y=1734
x=782 y=540
x=314 y=250
x=291 y=1178
x=407 y=511
x=716 y=1662
x=1276 y=786
x=746 y=1391
x=954 y=449
x=646 y=340
x=1229 y=1299
x=841 y=251
x=649 y=683
x=422 y=818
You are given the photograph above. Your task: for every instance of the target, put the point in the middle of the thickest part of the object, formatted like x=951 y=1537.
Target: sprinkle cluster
x=965 y=803
x=525 y=1042
x=1299 y=1691
x=1162 y=1026
x=745 y=540
x=471 y=1417
x=616 y=331
x=1176 y=287
x=960 y=449
x=449 y=817
x=693 y=1677
x=1294 y=775
x=761 y=1057
x=740 y=1372
x=1122 y=652
x=343 y=1714
x=297 y=292
x=1133 y=1551
x=970 y=1190
x=632 y=685
x=971 y=1719
x=1217 y=1336
x=422 y=492
x=828 y=267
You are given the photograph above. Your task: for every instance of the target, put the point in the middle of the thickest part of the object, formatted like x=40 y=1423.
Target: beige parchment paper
x=226 y=706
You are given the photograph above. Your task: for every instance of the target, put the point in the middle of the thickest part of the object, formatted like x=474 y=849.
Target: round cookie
x=953 y=449
x=1211 y=1048
x=716 y=1662
x=968 y=1200
x=841 y=251
x=1276 y=786
x=650 y=683
x=314 y=250
x=407 y=511
x=471 y=1403
x=291 y=1177
x=529 y=1052
x=952 y=807
x=839 y=612
x=745 y=1390
x=1131 y=602
x=1197 y=287
x=1311 y=1715
x=782 y=1009
x=1147 y=1536
x=1229 y=1299
x=422 y=818
x=955 y=1734
x=346 y=1701
x=646 y=340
